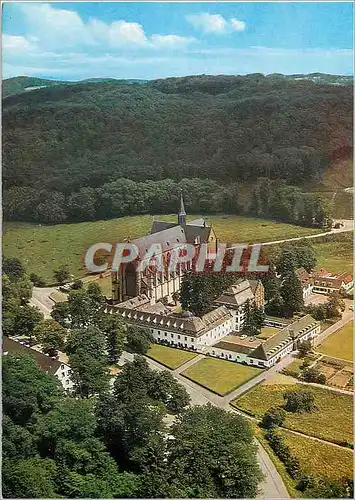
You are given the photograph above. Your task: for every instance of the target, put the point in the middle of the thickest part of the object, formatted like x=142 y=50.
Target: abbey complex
x=129 y=281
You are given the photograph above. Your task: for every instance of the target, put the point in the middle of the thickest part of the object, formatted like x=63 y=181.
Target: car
x=243 y=337
x=351 y=307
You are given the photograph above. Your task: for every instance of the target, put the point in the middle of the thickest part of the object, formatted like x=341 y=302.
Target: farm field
x=340 y=343
x=331 y=421
x=220 y=376
x=320 y=459
x=44 y=248
x=169 y=356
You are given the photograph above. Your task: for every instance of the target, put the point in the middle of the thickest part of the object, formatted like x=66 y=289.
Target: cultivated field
x=339 y=344
x=169 y=356
x=331 y=421
x=44 y=248
x=320 y=459
x=220 y=376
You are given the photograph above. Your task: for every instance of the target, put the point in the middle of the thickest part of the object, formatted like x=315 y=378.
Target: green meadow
x=44 y=248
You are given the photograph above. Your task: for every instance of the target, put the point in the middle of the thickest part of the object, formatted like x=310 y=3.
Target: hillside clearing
x=44 y=248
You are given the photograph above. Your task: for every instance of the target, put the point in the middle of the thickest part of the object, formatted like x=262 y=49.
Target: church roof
x=161 y=225
x=192 y=232
x=199 y=222
x=168 y=239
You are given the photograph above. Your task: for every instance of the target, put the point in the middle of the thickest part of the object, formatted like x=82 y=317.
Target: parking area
x=316 y=298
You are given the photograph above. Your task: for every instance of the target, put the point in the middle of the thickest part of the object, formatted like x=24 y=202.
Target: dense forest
x=61 y=139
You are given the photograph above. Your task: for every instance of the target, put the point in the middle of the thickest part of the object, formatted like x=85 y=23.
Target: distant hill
x=20 y=84
x=322 y=78
x=67 y=136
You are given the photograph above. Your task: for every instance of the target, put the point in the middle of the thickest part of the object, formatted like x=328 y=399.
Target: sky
x=74 y=41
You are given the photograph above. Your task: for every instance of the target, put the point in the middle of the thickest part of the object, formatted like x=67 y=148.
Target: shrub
x=305 y=482
x=305 y=364
x=304 y=348
x=299 y=401
x=37 y=280
x=138 y=340
x=273 y=417
x=283 y=452
x=77 y=285
x=313 y=375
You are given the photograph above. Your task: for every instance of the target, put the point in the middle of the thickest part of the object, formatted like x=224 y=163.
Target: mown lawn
x=220 y=376
x=169 y=356
x=44 y=248
x=340 y=344
x=331 y=421
x=320 y=459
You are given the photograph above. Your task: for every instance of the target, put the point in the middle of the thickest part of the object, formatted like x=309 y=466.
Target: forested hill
x=228 y=129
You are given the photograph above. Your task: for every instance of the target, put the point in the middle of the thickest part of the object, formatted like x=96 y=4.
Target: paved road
x=348 y=226
x=41 y=299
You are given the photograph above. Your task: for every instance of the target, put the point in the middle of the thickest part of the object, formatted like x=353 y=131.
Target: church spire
x=182 y=213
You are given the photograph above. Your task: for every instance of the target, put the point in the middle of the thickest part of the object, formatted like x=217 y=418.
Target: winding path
x=348 y=225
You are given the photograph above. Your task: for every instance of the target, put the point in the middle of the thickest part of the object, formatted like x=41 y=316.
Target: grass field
x=320 y=458
x=331 y=421
x=293 y=369
x=44 y=248
x=169 y=356
x=104 y=282
x=220 y=376
x=335 y=254
x=339 y=344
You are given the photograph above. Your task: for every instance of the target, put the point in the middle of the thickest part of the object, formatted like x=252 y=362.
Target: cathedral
x=129 y=281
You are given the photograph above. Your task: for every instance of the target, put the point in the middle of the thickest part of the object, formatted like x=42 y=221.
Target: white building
x=325 y=282
x=49 y=365
x=305 y=279
x=236 y=296
x=183 y=330
x=268 y=352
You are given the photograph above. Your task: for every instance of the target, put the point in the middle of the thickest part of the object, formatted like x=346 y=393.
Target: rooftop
x=46 y=363
x=192 y=325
